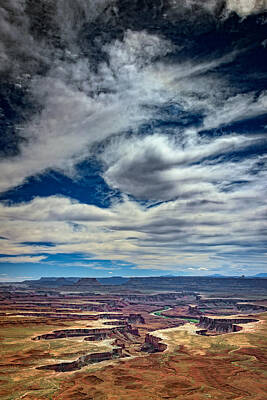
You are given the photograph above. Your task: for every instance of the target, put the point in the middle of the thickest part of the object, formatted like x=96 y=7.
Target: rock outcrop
x=60 y=316
x=248 y=307
x=134 y=318
x=153 y=344
x=193 y=310
x=222 y=325
x=131 y=318
x=151 y=298
x=63 y=333
x=84 y=360
x=97 y=332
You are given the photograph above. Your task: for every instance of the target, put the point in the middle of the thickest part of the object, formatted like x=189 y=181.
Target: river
x=158 y=313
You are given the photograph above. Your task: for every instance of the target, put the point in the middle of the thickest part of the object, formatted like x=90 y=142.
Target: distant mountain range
x=261 y=275
x=119 y=280
x=69 y=281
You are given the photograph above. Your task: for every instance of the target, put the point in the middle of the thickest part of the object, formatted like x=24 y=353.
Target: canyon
x=76 y=336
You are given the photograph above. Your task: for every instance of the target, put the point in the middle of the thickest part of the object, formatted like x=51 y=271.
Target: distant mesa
x=52 y=281
x=78 y=281
x=113 y=280
x=189 y=284
x=87 y=282
x=56 y=279
x=64 y=281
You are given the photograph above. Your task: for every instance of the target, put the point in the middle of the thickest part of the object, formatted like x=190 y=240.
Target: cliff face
x=151 y=298
x=84 y=360
x=194 y=310
x=64 y=333
x=222 y=325
x=87 y=282
x=250 y=307
x=52 y=281
x=133 y=318
x=98 y=333
x=60 y=316
x=153 y=344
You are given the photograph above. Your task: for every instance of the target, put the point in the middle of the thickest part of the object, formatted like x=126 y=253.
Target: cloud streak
x=158 y=167
x=22 y=259
x=174 y=235
x=159 y=116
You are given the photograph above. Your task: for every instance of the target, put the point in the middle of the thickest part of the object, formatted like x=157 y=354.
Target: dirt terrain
x=150 y=345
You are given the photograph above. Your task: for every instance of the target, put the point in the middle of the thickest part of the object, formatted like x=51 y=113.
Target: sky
x=132 y=138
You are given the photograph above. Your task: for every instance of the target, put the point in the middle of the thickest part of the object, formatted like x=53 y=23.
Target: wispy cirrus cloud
x=70 y=89
x=99 y=101
x=153 y=112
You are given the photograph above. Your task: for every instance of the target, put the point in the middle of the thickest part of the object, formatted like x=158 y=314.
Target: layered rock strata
x=84 y=360
x=65 y=333
x=153 y=344
x=222 y=325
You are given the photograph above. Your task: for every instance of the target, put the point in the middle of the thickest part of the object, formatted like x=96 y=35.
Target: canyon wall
x=222 y=325
x=153 y=344
x=64 y=333
x=84 y=360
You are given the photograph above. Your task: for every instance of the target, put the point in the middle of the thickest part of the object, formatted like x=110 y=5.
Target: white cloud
x=74 y=116
x=80 y=107
x=159 y=167
x=14 y=278
x=215 y=205
x=246 y=7
x=22 y=259
x=176 y=235
x=242 y=7
x=54 y=209
x=235 y=108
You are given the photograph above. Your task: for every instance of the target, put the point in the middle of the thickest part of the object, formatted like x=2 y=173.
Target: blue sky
x=132 y=143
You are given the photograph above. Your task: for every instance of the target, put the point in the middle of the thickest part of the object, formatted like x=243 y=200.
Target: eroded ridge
x=213 y=326
x=84 y=361
x=153 y=344
x=63 y=335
